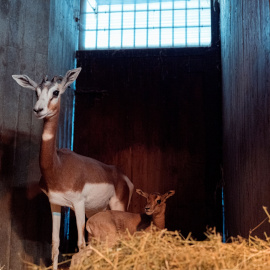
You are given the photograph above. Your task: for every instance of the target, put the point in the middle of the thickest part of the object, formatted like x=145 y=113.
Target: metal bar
x=122 y=14
x=159 y=24
x=164 y=27
x=96 y=28
x=109 y=28
x=147 y=22
x=169 y=9
x=186 y=23
x=199 y=11
x=134 y=33
x=173 y=24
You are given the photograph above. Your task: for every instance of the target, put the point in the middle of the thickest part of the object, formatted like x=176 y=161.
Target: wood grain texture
x=30 y=44
x=245 y=44
x=156 y=115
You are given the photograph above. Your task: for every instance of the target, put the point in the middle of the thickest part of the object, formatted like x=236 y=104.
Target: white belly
x=95 y=197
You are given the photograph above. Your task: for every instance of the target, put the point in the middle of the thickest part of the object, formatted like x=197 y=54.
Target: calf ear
x=69 y=78
x=168 y=195
x=25 y=81
x=140 y=192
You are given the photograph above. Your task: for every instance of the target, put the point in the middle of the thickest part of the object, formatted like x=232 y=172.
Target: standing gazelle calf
x=84 y=184
x=111 y=224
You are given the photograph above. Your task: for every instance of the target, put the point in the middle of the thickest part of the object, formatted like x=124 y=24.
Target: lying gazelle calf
x=111 y=224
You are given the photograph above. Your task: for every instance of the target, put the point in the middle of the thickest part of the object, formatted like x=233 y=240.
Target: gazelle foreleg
x=79 y=210
x=56 y=220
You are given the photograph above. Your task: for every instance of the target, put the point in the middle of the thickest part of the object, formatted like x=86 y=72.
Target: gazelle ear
x=140 y=192
x=168 y=195
x=25 y=81
x=69 y=78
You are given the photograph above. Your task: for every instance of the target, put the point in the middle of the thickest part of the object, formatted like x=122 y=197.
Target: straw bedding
x=170 y=250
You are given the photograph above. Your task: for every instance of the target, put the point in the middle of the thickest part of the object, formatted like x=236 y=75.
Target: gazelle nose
x=37 y=110
x=147 y=209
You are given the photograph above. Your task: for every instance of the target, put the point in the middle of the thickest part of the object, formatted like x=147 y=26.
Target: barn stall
x=158 y=114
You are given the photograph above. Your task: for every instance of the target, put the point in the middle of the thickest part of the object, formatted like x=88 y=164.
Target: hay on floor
x=164 y=250
x=170 y=250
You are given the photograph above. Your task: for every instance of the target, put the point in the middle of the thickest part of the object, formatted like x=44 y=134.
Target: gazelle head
x=155 y=201
x=48 y=91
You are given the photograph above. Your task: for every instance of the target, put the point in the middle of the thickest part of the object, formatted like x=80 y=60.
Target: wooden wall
x=156 y=115
x=37 y=38
x=245 y=36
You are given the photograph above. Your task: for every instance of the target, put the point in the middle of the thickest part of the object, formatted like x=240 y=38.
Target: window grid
x=192 y=28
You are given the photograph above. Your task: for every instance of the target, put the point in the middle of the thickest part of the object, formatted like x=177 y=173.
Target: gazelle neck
x=159 y=218
x=48 y=151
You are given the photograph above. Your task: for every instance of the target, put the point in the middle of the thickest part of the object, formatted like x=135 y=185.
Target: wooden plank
x=10 y=113
x=5 y=151
x=245 y=54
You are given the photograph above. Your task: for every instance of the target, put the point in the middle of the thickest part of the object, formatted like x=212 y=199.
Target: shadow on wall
x=25 y=217
x=31 y=225
x=6 y=158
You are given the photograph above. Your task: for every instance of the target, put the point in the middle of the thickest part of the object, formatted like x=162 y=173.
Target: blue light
x=223 y=216
x=186 y=24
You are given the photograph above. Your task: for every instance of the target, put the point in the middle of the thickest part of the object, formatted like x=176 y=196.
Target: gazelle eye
x=55 y=93
x=159 y=201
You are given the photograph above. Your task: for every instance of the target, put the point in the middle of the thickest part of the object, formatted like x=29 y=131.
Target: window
x=116 y=24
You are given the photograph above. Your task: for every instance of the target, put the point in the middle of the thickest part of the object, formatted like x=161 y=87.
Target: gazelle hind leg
x=80 y=221
x=56 y=220
x=116 y=204
x=121 y=199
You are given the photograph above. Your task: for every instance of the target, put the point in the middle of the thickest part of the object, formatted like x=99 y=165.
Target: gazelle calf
x=111 y=224
x=84 y=184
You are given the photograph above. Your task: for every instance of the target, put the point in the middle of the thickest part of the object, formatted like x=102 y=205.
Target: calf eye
x=159 y=201
x=55 y=93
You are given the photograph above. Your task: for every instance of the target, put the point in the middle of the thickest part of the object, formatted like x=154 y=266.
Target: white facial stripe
x=42 y=101
x=38 y=91
x=45 y=97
